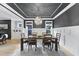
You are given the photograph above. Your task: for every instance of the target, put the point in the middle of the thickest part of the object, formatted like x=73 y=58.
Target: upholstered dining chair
x=34 y=34
x=3 y=38
x=47 y=41
x=6 y=37
x=32 y=41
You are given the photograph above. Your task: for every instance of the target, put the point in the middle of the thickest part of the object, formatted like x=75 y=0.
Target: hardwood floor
x=9 y=48
x=12 y=48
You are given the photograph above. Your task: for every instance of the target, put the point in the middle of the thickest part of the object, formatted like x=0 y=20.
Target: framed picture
x=18 y=24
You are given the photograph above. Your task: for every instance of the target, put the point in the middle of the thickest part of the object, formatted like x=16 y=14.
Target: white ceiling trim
x=56 y=9
x=61 y=12
x=42 y=18
x=20 y=9
x=65 y=9
x=7 y=6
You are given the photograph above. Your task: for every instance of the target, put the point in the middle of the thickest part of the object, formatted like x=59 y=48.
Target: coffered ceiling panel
x=31 y=10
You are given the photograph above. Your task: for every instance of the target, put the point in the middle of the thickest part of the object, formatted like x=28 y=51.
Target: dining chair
x=47 y=41
x=6 y=37
x=23 y=36
x=58 y=35
x=32 y=41
x=3 y=38
x=34 y=34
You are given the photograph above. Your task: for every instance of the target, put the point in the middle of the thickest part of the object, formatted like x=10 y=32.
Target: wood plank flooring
x=12 y=48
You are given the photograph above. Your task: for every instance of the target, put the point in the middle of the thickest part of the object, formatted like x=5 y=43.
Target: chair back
x=32 y=37
x=58 y=35
x=47 y=37
x=4 y=37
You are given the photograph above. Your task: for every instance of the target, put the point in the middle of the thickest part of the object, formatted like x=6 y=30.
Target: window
x=29 y=24
x=48 y=27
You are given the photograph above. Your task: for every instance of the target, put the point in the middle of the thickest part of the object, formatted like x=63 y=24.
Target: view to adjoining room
x=39 y=29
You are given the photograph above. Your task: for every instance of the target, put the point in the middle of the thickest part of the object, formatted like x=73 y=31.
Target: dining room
x=40 y=29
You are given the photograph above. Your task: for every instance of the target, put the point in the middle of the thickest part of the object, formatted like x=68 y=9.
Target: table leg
x=56 y=46
x=21 y=44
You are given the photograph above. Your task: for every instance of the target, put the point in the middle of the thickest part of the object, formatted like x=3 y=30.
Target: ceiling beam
x=64 y=10
x=20 y=9
x=56 y=10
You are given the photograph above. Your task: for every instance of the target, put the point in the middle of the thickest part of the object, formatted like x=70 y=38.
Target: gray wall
x=62 y=21
x=38 y=26
x=69 y=18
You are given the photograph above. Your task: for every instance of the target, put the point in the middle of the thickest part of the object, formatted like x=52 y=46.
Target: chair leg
x=48 y=46
x=2 y=42
x=58 y=46
x=28 y=47
x=42 y=44
x=35 y=47
x=52 y=45
x=5 y=41
x=43 y=47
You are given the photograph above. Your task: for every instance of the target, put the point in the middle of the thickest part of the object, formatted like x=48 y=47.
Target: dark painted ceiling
x=31 y=10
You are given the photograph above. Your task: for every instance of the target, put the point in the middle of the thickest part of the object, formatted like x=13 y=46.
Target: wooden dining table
x=24 y=40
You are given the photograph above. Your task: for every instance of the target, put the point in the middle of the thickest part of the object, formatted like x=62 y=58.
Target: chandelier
x=38 y=20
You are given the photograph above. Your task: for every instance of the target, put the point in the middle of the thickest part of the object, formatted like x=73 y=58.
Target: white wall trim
x=20 y=9
x=56 y=9
x=7 y=6
x=65 y=9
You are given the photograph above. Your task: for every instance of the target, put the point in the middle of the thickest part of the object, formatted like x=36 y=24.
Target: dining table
x=25 y=40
